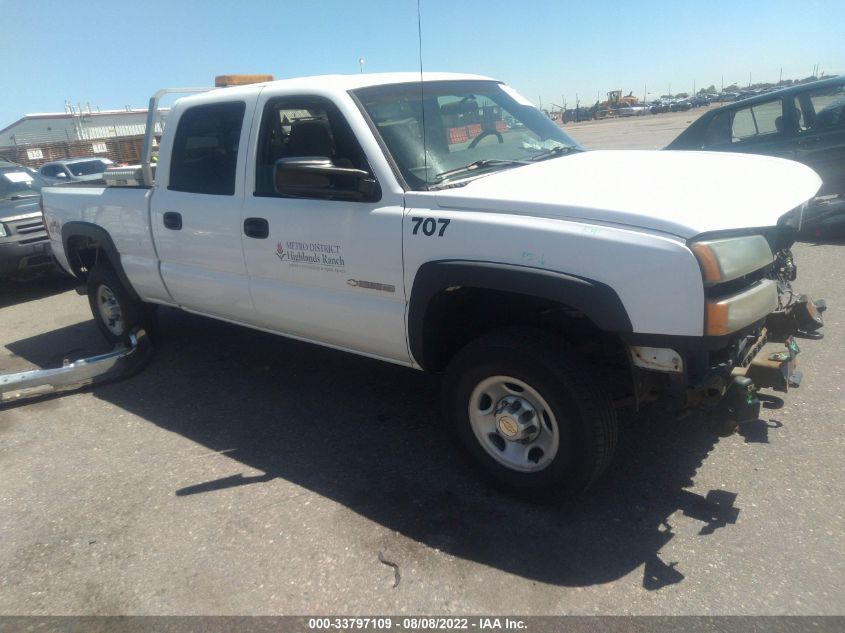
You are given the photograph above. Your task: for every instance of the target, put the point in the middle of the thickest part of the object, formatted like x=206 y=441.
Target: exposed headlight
x=3 y=230
x=729 y=258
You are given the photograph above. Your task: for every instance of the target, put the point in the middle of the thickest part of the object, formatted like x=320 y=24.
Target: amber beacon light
x=224 y=81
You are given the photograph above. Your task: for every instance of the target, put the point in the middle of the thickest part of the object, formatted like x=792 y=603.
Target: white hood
x=682 y=193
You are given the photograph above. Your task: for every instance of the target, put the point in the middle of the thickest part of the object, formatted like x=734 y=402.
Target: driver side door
x=324 y=265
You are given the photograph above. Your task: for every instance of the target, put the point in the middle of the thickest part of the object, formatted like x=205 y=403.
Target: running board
x=121 y=362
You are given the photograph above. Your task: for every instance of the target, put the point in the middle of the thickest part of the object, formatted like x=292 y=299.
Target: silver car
x=75 y=169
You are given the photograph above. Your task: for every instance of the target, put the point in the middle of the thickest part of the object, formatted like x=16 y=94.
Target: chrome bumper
x=120 y=363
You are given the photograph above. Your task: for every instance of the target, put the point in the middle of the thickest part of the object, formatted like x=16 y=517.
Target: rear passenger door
x=196 y=206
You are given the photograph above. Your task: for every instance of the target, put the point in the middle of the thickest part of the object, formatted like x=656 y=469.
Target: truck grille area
x=738 y=285
x=29 y=229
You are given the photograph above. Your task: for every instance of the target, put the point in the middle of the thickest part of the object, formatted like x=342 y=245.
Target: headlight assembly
x=729 y=258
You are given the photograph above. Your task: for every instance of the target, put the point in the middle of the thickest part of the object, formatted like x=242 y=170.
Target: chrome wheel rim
x=110 y=311
x=514 y=423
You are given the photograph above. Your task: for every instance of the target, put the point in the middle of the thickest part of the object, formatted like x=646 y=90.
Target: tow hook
x=739 y=404
x=120 y=363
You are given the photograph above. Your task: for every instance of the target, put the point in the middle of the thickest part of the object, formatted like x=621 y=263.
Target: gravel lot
x=243 y=473
x=650 y=131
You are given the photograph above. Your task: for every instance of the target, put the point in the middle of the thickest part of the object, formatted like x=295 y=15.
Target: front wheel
x=532 y=415
x=115 y=312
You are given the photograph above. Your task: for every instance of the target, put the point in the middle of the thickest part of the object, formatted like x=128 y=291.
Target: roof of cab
x=342 y=82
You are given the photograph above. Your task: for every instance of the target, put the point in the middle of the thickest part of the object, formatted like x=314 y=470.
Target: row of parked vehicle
x=656 y=107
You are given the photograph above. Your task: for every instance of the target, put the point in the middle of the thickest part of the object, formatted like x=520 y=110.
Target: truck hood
x=21 y=206
x=682 y=193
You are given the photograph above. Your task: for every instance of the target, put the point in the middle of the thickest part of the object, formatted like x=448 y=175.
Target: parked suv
x=24 y=246
x=805 y=123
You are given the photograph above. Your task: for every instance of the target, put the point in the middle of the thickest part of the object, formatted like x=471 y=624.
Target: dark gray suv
x=805 y=123
x=24 y=246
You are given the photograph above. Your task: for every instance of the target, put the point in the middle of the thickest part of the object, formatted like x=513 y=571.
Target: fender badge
x=371 y=285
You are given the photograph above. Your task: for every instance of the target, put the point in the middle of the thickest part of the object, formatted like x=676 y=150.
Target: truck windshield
x=471 y=127
x=18 y=182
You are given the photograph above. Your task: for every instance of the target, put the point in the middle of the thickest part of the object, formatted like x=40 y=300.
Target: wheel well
x=457 y=316
x=83 y=253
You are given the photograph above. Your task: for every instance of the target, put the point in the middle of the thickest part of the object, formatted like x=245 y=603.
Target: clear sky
x=111 y=54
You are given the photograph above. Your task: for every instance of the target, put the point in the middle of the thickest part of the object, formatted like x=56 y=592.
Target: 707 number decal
x=429 y=226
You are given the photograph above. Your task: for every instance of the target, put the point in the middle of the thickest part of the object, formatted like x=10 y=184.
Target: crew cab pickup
x=443 y=223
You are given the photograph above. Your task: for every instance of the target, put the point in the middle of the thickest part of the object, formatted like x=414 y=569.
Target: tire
x=109 y=298
x=491 y=375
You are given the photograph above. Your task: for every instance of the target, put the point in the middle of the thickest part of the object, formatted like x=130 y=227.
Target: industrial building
x=37 y=138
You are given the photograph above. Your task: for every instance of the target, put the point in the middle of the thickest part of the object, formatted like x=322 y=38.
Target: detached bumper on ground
x=120 y=363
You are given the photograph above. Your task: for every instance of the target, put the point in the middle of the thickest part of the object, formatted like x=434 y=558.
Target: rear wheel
x=532 y=415
x=115 y=311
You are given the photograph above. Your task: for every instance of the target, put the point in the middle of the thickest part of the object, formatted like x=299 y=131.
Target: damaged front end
x=763 y=358
x=721 y=373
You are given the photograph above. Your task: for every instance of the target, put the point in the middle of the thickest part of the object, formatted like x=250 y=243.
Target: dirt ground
x=650 y=131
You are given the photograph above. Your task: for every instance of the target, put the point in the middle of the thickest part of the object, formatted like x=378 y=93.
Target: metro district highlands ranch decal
x=311 y=255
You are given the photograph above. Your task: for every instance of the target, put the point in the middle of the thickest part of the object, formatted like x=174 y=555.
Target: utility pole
x=749 y=78
x=722 y=89
x=780 y=79
x=645 y=92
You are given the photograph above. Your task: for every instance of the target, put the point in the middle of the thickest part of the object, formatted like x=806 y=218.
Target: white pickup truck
x=443 y=223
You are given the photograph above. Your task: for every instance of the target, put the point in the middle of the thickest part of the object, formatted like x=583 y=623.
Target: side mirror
x=318 y=176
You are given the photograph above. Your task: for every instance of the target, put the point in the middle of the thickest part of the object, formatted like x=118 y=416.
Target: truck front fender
x=597 y=301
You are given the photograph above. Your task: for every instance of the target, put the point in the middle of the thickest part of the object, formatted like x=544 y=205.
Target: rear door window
x=205 y=149
x=758 y=120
